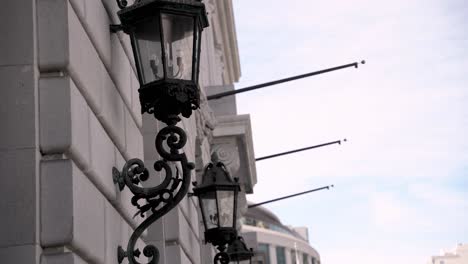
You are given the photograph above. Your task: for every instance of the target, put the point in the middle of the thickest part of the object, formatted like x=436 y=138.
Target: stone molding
x=232 y=140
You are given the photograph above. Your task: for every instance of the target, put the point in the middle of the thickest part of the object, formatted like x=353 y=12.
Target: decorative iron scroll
x=162 y=198
x=122 y=3
x=221 y=258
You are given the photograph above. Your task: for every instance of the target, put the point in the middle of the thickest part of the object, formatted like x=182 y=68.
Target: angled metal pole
x=290 y=196
x=298 y=150
x=258 y=86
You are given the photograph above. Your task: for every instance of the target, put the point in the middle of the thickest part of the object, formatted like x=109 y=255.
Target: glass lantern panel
x=178 y=45
x=210 y=209
x=149 y=54
x=226 y=208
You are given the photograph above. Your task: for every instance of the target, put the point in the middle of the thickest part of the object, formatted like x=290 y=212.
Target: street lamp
x=238 y=251
x=217 y=196
x=166 y=40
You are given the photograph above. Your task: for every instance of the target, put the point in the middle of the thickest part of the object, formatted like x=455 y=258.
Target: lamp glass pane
x=149 y=54
x=226 y=208
x=178 y=44
x=210 y=209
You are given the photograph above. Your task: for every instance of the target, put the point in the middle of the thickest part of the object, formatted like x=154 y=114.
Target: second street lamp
x=166 y=38
x=217 y=196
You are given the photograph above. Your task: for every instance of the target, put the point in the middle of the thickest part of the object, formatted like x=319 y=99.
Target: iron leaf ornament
x=159 y=200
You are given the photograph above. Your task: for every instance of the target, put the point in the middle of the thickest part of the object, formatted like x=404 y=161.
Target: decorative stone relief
x=232 y=142
x=226 y=150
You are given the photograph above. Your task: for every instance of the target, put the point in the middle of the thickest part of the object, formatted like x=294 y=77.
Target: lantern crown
x=146 y=8
x=216 y=176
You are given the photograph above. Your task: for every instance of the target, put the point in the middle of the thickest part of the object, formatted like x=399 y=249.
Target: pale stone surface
x=232 y=139
x=61 y=258
x=96 y=24
x=56 y=203
x=151 y=125
x=18 y=197
x=52 y=17
x=79 y=7
x=183 y=234
x=88 y=218
x=225 y=105
x=149 y=147
x=72 y=210
x=63 y=119
x=176 y=254
x=112 y=9
x=133 y=138
x=24 y=254
x=136 y=106
x=121 y=71
x=17 y=85
x=113 y=111
x=102 y=158
x=80 y=136
x=17 y=45
x=85 y=66
x=114 y=235
x=55 y=115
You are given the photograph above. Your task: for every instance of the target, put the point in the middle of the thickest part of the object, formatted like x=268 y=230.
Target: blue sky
x=401 y=180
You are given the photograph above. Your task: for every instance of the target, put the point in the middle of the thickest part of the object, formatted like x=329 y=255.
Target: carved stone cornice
x=232 y=140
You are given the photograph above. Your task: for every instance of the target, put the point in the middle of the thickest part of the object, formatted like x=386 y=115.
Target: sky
x=401 y=179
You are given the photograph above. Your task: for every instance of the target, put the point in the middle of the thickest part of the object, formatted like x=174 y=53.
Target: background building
x=459 y=255
x=71 y=112
x=274 y=242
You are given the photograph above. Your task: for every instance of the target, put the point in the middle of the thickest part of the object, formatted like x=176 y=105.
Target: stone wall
x=70 y=113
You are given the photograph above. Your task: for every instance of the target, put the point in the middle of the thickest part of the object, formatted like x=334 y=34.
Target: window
x=305 y=259
x=314 y=261
x=280 y=255
x=442 y=262
x=293 y=257
x=265 y=249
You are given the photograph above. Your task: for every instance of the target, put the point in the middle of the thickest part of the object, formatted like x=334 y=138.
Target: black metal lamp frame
x=166 y=99
x=216 y=178
x=238 y=251
x=167 y=96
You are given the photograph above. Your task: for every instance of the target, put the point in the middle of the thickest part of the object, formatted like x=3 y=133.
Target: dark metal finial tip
x=363 y=62
x=332 y=185
x=345 y=140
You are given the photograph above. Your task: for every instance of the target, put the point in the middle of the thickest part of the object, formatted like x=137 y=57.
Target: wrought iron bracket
x=118 y=178
x=122 y=3
x=116 y=28
x=159 y=200
x=221 y=258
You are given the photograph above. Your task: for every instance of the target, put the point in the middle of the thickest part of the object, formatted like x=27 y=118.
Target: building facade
x=71 y=113
x=459 y=255
x=275 y=243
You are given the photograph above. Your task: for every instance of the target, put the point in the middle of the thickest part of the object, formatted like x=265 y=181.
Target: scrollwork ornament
x=160 y=199
x=167 y=98
x=221 y=258
x=122 y=3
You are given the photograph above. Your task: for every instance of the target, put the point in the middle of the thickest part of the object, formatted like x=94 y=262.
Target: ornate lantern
x=238 y=251
x=166 y=38
x=217 y=195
